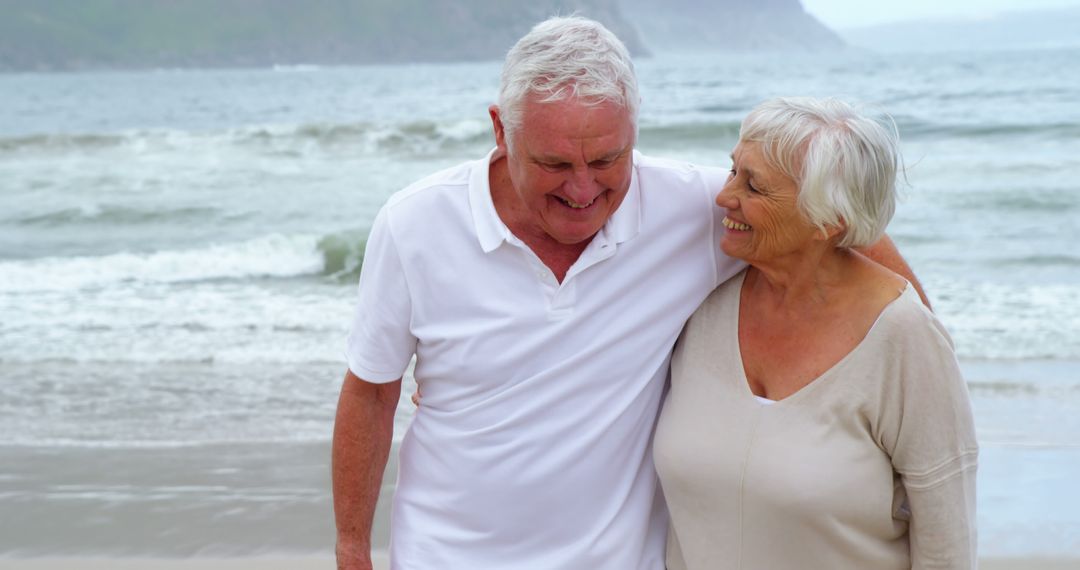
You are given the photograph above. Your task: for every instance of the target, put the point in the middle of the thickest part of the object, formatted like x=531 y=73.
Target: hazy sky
x=839 y=14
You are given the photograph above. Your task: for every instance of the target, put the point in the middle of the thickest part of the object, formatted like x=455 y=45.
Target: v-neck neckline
x=821 y=379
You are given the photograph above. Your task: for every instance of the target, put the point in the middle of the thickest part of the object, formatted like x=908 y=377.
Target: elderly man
x=541 y=289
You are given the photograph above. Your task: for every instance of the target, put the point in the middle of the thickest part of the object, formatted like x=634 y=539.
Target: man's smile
x=576 y=205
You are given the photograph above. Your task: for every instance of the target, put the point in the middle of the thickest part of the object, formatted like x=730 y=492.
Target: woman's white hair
x=843 y=162
x=563 y=58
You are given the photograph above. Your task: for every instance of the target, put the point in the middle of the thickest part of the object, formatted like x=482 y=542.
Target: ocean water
x=179 y=251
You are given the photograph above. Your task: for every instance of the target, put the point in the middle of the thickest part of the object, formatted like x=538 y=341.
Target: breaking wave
x=336 y=255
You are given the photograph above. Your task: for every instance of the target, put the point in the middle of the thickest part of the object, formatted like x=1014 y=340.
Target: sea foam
x=272 y=255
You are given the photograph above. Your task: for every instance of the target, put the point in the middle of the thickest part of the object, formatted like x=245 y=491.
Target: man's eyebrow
x=550 y=159
x=553 y=159
x=611 y=155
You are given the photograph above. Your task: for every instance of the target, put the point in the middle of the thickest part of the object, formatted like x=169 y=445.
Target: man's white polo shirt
x=531 y=448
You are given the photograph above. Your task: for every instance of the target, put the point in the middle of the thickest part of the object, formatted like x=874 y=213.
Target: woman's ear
x=833 y=231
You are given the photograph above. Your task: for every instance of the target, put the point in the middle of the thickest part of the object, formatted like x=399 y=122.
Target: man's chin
x=577 y=237
x=570 y=231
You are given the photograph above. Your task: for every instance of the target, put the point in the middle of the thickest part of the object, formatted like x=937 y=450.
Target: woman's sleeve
x=935 y=452
x=942 y=527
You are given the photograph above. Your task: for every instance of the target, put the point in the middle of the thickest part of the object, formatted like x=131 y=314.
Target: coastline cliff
x=730 y=26
x=60 y=35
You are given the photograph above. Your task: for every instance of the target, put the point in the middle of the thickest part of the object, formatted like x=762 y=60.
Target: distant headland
x=59 y=35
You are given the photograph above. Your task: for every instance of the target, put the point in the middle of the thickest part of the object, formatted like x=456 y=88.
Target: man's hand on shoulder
x=884 y=252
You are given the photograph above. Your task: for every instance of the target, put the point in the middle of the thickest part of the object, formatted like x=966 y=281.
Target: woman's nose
x=725 y=198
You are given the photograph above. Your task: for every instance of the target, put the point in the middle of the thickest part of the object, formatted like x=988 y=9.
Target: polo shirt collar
x=623 y=225
x=489 y=228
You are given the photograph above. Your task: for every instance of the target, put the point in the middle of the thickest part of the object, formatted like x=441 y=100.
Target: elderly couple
x=632 y=363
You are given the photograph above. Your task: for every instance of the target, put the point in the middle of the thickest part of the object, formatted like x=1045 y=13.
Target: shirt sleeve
x=726 y=267
x=942 y=527
x=380 y=343
x=935 y=449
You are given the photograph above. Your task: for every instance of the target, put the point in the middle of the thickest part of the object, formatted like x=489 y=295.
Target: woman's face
x=763 y=221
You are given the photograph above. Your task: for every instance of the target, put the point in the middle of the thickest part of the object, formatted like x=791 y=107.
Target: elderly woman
x=817 y=417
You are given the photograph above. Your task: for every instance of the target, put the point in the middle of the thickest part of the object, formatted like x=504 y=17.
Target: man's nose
x=582 y=184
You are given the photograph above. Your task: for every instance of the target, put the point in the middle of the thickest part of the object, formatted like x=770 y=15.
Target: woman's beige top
x=870 y=466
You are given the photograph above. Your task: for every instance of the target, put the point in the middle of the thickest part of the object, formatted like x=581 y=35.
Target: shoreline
x=381 y=562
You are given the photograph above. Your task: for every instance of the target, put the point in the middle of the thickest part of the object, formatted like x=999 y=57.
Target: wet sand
x=327 y=563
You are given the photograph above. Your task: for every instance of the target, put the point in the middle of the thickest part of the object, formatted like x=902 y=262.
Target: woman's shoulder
x=903 y=320
x=908 y=318
x=719 y=309
x=723 y=295
x=876 y=282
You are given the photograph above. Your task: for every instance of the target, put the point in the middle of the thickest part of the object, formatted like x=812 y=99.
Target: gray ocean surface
x=179 y=252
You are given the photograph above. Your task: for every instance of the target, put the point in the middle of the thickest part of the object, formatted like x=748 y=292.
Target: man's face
x=569 y=165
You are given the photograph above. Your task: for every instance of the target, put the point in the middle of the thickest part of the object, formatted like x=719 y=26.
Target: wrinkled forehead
x=571 y=127
x=754 y=156
x=784 y=159
x=571 y=106
x=576 y=94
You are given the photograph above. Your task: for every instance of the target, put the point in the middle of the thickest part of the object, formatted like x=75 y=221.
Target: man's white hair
x=843 y=162
x=567 y=58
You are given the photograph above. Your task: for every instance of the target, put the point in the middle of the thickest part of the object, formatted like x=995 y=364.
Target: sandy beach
x=381 y=563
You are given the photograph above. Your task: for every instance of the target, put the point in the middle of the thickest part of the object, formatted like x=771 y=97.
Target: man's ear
x=500 y=131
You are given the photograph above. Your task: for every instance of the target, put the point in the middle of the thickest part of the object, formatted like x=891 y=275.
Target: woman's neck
x=803 y=279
